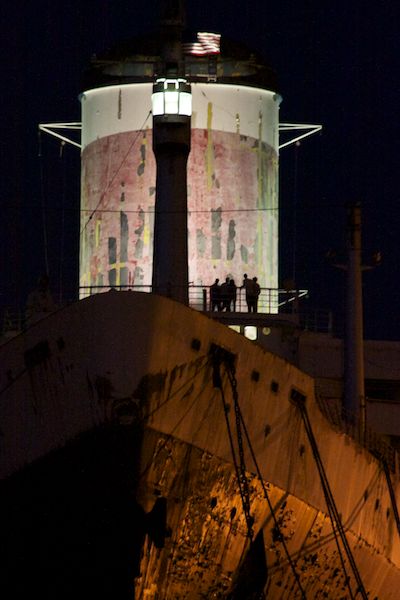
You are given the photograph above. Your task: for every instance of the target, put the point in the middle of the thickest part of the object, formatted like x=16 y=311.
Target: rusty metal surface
x=131 y=356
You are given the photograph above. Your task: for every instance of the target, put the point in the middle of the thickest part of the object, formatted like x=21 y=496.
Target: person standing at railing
x=225 y=296
x=232 y=295
x=256 y=290
x=215 y=296
x=252 y=290
x=247 y=285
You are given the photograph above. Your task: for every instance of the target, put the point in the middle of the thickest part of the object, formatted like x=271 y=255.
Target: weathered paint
x=56 y=387
x=232 y=185
x=236 y=213
x=209 y=149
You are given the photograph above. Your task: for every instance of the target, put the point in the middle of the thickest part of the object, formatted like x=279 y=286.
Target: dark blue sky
x=337 y=64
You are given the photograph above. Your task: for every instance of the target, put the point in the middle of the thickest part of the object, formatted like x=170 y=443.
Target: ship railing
x=348 y=423
x=271 y=300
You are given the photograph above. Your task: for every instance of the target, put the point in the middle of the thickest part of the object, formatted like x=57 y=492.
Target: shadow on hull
x=71 y=527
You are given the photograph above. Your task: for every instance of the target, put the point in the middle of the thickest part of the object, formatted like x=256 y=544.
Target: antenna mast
x=354 y=396
x=172 y=109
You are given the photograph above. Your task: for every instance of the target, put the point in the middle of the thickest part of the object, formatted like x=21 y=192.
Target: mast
x=171 y=102
x=354 y=396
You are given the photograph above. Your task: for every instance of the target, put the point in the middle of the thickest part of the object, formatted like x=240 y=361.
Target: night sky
x=337 y=64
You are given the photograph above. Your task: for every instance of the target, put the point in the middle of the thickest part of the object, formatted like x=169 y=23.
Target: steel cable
x=265 y=492
x=331 y=505
x=391 y=494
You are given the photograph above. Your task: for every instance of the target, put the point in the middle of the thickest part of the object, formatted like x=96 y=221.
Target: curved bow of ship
x=148 y=451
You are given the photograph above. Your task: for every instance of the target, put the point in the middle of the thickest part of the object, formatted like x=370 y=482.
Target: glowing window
x=235 y=328
x=158 y=103
x=250 y=332
x=171 y=102
x=171 y=97
x=185 y=104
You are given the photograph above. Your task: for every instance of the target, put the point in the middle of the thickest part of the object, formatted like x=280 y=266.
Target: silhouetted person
x=225 y=295
x=256 y=292
x=232 y=295
x=215 y=295
x=247 y=285
x=252 y=293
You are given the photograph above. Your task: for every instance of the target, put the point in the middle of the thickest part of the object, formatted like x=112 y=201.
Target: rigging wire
x=189 y=210
x=62 y=236
x=271 y=508
x=220 y=356
x=331 y=505
x=111 y=181
x=274 y=517
x=230 y=370
x=242 y=464
x=43 y=203
x=335 y=532
x=391 y=493
x=295 y=199
x=312 y=207
x=245 y=502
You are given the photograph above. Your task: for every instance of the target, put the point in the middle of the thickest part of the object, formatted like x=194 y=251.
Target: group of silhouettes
x=223 y=297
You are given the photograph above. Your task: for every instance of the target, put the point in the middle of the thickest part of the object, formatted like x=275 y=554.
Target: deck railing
x=270 y=300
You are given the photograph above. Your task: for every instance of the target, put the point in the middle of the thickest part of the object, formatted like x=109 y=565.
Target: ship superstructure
x=232 y=167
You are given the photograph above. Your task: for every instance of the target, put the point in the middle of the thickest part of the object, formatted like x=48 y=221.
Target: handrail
x=270 y=300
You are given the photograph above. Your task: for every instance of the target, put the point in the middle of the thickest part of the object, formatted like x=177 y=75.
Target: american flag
x=207 y=43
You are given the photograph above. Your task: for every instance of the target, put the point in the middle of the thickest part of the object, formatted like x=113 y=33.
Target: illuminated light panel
x=171 y=97
x=250 y=332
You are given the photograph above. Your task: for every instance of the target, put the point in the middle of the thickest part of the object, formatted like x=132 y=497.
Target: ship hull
x=121 y=453
x=71 y=527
